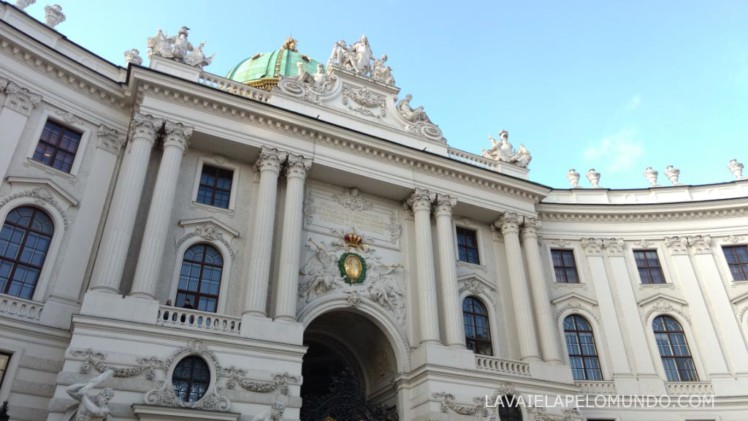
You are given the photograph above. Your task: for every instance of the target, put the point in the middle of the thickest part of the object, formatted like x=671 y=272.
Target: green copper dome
x=264 y=70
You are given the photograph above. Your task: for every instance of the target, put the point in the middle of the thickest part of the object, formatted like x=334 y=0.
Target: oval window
x=191 y=379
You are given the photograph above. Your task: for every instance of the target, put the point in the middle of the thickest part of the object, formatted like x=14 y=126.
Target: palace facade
x=292 y=242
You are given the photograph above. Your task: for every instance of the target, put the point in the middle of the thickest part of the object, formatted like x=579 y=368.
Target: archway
x=348 y=370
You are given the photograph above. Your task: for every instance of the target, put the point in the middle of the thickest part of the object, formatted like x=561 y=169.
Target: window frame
x=649 y=268
x=575 y=267
x=190 y=380
x=477 y=247
x=582 y=356
x=17 y=262
x=741 y=264
x=490 y=341
x=5 y=370
x=197 y=293
x=74 y=123
x=686 y=339
x=221 y=163
x=190 y=240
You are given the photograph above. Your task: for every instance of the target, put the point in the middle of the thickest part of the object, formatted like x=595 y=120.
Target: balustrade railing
x=496 y=365
x=232 y=87
x=198 y=320
x=20 y=308
x=472 y=159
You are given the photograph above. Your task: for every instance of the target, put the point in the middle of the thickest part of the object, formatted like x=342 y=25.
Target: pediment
x=740 y=299
x=573 y=296
x=661 y=297
x=209 y=222
x=476 y=284
x=41 y=184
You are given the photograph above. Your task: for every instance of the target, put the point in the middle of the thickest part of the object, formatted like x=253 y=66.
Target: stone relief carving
x=352 y=199
x=575 y=306
x=503 y=151
x=701 y=244
x=677 y=245
x=479 y=406
x=40 y=195
x=90 y=407
x=21 y=99
x=209 y=232
x=68 y=117
x=178 y=48
x=310 y=88
x=734 y=239
x=364 y=101
x=664 y=306
x=645 y=244
x=417 y=122
x=321 y=275
x=110 y=139
x=275 y=412
x=382 y=73
x=133 y=56
x=164 y=394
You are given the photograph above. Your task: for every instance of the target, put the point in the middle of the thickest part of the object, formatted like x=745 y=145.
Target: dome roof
x=263 y=70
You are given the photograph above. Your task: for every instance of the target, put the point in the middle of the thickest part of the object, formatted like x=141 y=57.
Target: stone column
x=548 y=333
x=450 y=300
x=288 y=275
x=14 y=115
x=159 y=214
x=528 y=346
x=110 y=260
x=420 y=201
x=269 y=166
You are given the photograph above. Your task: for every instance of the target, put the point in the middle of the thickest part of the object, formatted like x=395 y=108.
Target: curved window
x=477 y=329
x=580 y=344
x=509 y=409
x=24 y=241
x=200 y=278
x=191 y=379
x=673 y=347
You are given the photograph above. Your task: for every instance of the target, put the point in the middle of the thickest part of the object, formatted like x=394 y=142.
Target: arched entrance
x=348 y=370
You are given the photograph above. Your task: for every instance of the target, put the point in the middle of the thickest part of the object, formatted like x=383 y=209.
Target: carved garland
x=479 y=403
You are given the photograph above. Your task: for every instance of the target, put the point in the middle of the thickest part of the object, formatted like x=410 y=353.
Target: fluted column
x=528 y=346
x=269 y=165
x=450 y=300
x=110 y=260
x=549 y=340
x=420 y=202
x=159 y=214
x=288 y=276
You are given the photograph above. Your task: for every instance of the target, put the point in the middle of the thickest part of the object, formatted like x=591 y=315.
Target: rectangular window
x=737 y=260
x=4 y=360
x=467 y=245
x=57 y=146
x=215 y=187
x=565 y=266
x=648 y=263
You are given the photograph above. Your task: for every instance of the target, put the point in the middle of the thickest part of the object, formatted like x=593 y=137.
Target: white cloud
x=615 y=153
x=634 y=102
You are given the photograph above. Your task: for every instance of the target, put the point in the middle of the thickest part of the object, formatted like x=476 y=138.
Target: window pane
x=477 y=327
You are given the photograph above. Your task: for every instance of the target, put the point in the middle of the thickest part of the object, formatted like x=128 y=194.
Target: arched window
x=191 y=379
x=24 y=241
x=673 y=347
x=477 y=329
x=509 y=409
x=580 y=343
x=200 y=278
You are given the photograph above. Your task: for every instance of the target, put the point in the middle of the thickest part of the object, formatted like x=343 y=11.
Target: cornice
x=724 y=208
x=269 y=117
x=54 y=64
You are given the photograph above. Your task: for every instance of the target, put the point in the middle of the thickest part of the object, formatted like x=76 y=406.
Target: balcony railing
x=20 y=308
x=596 y=387
x=198 y=320
x=689 y=388
x=232 y=87
x=496 y=365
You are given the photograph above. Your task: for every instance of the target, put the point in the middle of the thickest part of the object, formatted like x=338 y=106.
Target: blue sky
x=614 y=85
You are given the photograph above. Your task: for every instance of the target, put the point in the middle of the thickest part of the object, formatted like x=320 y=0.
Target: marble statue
x=736 y=168
x=593 y=177
x=573 y=177
x=303 y=76
x=361 y=55
x=340 y=52
x=178 y=48
x=503 y=151
x=672 y=174
x=53 y=15
x=359 y=59
x=410 y=114
x=196 y=57
x=382 y=73
x=133 y=56
x=651 y=175
x=181 y=45
x=320 y=77
x=159 y=45
x=90 y=407
x=22 y=4
x=523 y=157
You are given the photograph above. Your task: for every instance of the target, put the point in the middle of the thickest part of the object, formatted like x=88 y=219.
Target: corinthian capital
x=509 y=223
x=110 y=139
x=592 y=246
x=145 y=127
x=420 y=200
x=444 y=204
x=677 y=245
x=531 y=227
x=20 y=99
x=177 y=134
x=701 y=244
x=297 y=166
x=270 y=159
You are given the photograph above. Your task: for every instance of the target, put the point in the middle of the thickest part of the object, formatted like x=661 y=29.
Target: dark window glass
x=737 y=260
x=467 y=245
x=477 y=328
x=191 y=379
x=4 y=360
x=580 y=343
x=200 y=278
x=57 y=146
x=673 y=347
x=24 y=241
x=215 y=186
x=565 y=266
x=648 y=263
x=509 y=409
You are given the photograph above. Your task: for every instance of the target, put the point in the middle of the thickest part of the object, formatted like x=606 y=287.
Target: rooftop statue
x=382 y=73
x=410 y=114
x=359 y=59
x=178 y=48
x=133 y=56
x=503 y=151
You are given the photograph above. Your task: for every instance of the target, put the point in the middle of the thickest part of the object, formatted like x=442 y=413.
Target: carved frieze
x=20 y=99
x=40 y=195
x=110 y=139
x=177 y=134
x=364 y=101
